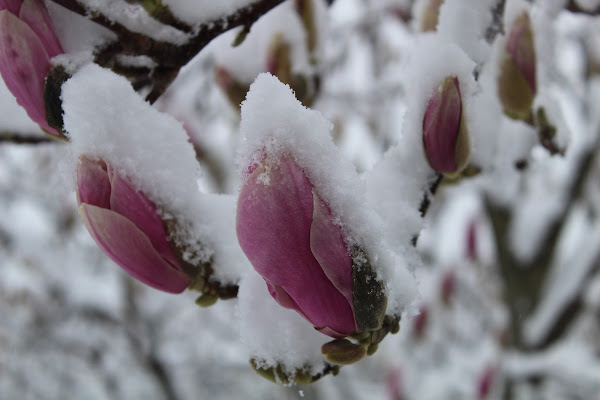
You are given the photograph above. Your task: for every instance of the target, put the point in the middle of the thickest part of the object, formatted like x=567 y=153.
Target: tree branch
x=17 y=138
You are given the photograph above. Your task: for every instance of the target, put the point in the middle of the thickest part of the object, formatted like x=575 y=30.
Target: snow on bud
x=445 y=135
x=517 y=85
x=289 y=235
x=126 y=226
x=27 y=43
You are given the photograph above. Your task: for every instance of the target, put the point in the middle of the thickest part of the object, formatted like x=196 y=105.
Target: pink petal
x=24 y=65
x=441 y=125
x=127 y=246
x=136 y=207
x=273 y=228
x=329 y=248
x=35 y=14
x=93 y=186
x=11 y=5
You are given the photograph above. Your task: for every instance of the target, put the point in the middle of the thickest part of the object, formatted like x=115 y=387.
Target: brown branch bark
x=17 y=138
x=169 y=57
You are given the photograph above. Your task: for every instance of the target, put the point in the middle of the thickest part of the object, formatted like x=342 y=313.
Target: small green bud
x=343 y=352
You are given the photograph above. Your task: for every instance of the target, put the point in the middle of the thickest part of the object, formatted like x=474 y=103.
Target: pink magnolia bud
x=420 y=322
x=472 y=241
x=448 y=286
x=517 y=85
x=127 y=227
x=445 y=134
x=27 y=43
x=287 y=232
x=394 y=384
x=486 y=382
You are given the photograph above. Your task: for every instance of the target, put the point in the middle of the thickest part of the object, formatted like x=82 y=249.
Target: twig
x=17 y=138
x=169 y=57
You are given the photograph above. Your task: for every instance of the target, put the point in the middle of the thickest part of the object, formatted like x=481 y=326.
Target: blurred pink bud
x=27 y=43
x=394 y=384
x=289 y=236
x=517 y=84
x=448 y=286
x=472 y=241
x=486 y=382
x=127 y=227
x=444 y=132
x=420 y=322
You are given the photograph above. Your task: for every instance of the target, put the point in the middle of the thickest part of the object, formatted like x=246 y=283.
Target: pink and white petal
x=275 y=209
x=11 y=5
x=136 y=207
x=35 y=14
x=24 y=65
x=131 y=249
x=93 y=186
x=330 y=332
x=329 y=248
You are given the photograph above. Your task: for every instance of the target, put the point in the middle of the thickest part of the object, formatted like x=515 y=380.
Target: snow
x=276 y=335
x=200 y=11
x=135 y=18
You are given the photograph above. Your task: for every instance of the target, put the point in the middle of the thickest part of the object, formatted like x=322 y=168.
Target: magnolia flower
x=289 y=235
x=517 y=85
x=27 y=43
x=445 y=133
x=126 y=226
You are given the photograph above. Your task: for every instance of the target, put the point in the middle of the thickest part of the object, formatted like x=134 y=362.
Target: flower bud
x=279 y=62
x=448 y=286
x=445 y=135
x=420 y=322
x=27 y=43
x=486 y=382
x=517 y=80
x=126 y=226
x=288 y=233
x=234 y=90
x=430 y=16
x=343 y=352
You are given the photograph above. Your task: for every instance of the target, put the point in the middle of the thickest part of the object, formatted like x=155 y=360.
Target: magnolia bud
x=445 y=135
x=289 y=235
x=27 y=43
x=343 y=352
x=430 y=16
x=517 y=80
x=126 y=226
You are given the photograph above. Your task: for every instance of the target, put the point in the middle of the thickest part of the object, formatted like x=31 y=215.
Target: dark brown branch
x=17 y=138
x=170 y=57
x=574 y=7
x=497 y=26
